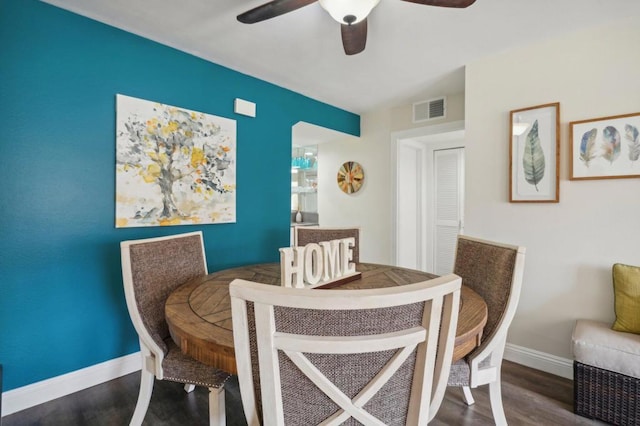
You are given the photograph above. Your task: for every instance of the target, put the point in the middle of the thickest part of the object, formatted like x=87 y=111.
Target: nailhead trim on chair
x=179 y=367
x=191 y=382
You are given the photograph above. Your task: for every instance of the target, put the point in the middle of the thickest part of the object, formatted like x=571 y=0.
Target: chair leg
x=217 y=416
x=188 y=387
x=495 y=396
x=468 y=397
x=144 y=397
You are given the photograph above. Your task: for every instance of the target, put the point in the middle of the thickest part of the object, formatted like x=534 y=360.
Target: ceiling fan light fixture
x=348 y=11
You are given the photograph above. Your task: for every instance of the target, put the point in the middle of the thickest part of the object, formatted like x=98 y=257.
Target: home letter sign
x=319 y=264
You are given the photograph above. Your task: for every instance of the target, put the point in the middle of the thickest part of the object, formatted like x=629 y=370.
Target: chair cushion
x=595 y=344
x=460 y=374
x=626 y=287
x=178 y=367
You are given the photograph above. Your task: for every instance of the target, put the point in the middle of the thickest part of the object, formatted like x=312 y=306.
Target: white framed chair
x=376 y=356
x=151 y=269
x=303 y=235
x=494 y=271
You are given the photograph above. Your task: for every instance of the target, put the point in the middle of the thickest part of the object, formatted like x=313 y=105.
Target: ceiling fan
x=351 y=14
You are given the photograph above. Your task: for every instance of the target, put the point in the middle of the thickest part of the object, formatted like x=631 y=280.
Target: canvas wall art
x=605 y=148
x=173 y=166
x=350 y=177
x=534 y=154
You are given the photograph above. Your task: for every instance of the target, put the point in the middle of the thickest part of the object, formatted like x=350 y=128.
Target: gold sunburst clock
x=350 y=177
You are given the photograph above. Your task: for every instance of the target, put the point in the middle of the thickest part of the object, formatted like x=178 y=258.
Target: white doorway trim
x=440 y=136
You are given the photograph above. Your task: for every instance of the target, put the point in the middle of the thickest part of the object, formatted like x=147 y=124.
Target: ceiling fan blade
x=354 y=37
x=444 y=3
x=271 y=10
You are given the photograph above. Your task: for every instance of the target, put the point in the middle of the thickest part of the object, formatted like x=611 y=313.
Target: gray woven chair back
x=488 y=270
x=305 y=404
x=307 y=235
x=158 y=268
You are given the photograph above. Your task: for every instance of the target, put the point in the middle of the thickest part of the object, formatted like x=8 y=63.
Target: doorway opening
x=428 y=185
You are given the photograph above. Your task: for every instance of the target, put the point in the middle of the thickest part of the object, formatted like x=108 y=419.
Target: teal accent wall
x=62 y=305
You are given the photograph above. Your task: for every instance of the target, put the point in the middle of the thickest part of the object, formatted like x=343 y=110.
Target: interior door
x=448 y=190
x=428 y=197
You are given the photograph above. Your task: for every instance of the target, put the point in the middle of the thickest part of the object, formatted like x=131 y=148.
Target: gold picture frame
x=534 y=154
x=605 y=148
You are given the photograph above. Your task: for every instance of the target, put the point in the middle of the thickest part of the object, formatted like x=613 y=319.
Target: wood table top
x=199 y=312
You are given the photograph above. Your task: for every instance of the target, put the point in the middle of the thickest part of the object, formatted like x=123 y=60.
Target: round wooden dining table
x=198 y=313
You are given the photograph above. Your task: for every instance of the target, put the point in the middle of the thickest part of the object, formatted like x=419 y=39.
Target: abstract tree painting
x=534 y=154
x=173 y=166
x=605 y=148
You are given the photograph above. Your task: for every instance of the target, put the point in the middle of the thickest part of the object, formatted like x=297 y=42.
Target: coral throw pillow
x=626 y=288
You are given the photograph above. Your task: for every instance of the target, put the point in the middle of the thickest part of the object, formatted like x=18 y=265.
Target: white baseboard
x=37 y=393
x=562 y=367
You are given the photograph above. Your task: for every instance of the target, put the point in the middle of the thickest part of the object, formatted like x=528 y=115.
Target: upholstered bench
x=606 y=373
x=606 y=363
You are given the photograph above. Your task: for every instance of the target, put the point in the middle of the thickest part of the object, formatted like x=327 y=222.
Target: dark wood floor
x=530 y=397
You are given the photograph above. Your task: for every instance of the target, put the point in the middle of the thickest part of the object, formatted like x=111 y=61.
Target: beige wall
x=371 y=207
x=572 y=245
x=368 y=208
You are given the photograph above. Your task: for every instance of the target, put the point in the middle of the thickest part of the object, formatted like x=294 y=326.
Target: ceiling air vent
x=428 y=110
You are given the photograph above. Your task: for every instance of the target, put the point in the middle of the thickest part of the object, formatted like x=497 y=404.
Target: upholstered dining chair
x=494 y=271
x=151 y=269
x=376 y=356
x=304 y=235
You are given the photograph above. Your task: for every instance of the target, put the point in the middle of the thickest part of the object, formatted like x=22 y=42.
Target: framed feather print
x=534 y=154
x=605 y=148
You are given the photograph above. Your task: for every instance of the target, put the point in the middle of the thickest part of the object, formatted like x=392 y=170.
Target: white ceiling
x=413 y=51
